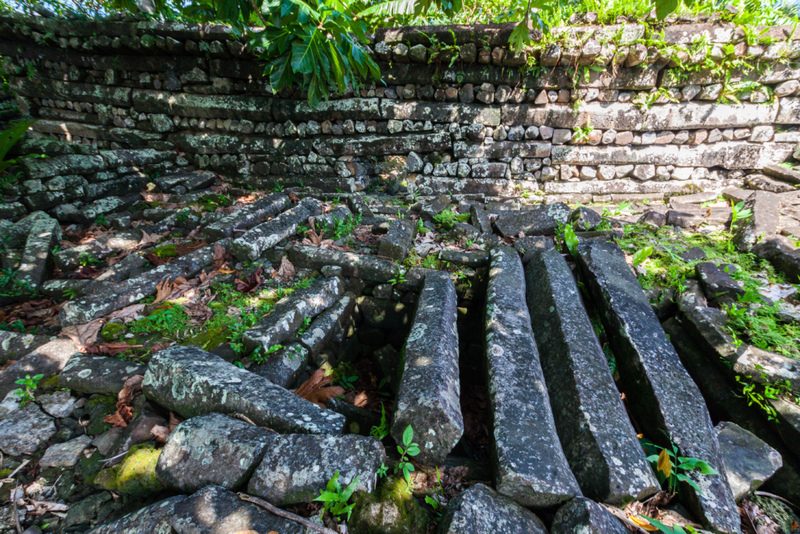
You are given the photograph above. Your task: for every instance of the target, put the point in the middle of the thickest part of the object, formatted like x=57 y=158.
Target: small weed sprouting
x=448 y=218
x=334 y=498
x=101 y=220
x=672 y=469
x=407 y=450
x=29 y=385
x=87 y=260
x=381 y=431
x=259 y=355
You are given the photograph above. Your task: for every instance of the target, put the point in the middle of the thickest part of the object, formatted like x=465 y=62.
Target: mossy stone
x=113 y=331
x=97 y=408
x=390 y=509
x=136 y=475
x=166 y=251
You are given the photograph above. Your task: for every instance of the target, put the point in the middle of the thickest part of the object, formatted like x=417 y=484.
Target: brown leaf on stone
x=286 y=270
x=294 y=198
x=160 y=433
x=155 y=260
x=87 y=272
x=361 y=400
x=149 y=239
x=174 y=421
x=124 y=413
x=108 y=349
x=84 y=335
x=165 y=288
x=220 y=257
x=252 y=282
x=127 y=314
x=317 y=389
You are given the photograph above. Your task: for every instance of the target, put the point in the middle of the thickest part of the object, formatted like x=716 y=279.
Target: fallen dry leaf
x=124 y=413
x=149 y=239
x=108 y=349
x=317 y=390
x=174 y=421
x=148 y=196
x=286 y=270
x=252 y=282
x=84 y=335
x=220 y=257
x=127 y=314
x=160 y=433
x=87 y=272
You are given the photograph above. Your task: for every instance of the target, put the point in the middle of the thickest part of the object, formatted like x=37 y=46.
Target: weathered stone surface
x=781 y=173
x=37 y=257
x=428 y=398
x=89 y=374
x=193 y=382
x=289 y=313
x=297 y=467
x=38 y=168
x=14 y=345
x=65 y=454
x=153 y=519
x=244 y=218
x=473 y=259
x=48 y=360
x=119 y=295
x=598 y=438
x=541 y=220
x=328 y=324
x=268 y=234
x=481 y=510
x=25 y=430
x=57 y=404
x=211 y=449
x=399 y=240
x=356 y=265
x=583 y=516
x=284 y=366
x=664 y=395
x=203 y=106
x=189 y=180
x=749 y=462
x=717 y=284
x=69 y=259
x=763 y=222
x=530 y=466
x=215 y=510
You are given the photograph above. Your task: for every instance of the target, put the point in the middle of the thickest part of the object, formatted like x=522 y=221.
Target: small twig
x=286 y=515
x=773 y=496
x=16 y=511
x=9 y=477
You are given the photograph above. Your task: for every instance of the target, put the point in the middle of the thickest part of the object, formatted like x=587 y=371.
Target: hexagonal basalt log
x=598 y=438
x=663 y=395
x=530 y=466
x=268 y=234
x=428 y=398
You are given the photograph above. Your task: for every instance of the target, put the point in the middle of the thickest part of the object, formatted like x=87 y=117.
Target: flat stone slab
x=530 y=466
x=661 y=392
x=215 y=510
x=246 y=217
x=117 y=296
x=481 y=510
x=361 y=266
x=763 y=222
x=297 y=467
x=400 y=238
x=211 y=449
x=89 y=374
x=193 y=382
x=48 y=360
x=584 y=516
x=749 y=462
x=288 y=315
x=25 y=430
x=266 y=235
x=152 y=519
x=717 y=284
x=476 y=259
x=598 y=438
x=65 y=454
x=284 y=366
x=14 y=345
x=541 y=220
x=100 y=248
x=57 y=404
x=37 y=256
x=785 y=175
x=428 y=398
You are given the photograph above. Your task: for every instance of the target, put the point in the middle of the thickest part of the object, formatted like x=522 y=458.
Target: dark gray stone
x=481 y=510
x=663 y=395
x=215 y=510
x=762 y=223
x=117 y=296
x=153 y=519
x=583 y=516
x=288 y=315
x=14 y=345
x=749 y=462
x=246 y=217
x=653 y=218
x=284 y=366
x=328 y=324
x=530 y=245
x=400 y=238
x=541 y=220
x=367 y=268
x=781 y=173
x=530 y=466
x=428 y=397
x=598 y=438
x=48 y=360
x=585 y=219
x=474 y=259
x=266 y=235
x=480 y=219
x=297 y=467
x=193 y=382
x=717 y=284
x=190 y=180
x=357 y=204
x=37 y=263
x=100 y=248
x=25 y=430
x=211 y=449
x=693 y=254
x=89 y=374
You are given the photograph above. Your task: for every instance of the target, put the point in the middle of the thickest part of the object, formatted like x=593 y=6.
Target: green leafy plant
x=641 y=255
x=380 y=431
x=334 y=498
x=29 y=385
x=448 y=218
x=739 y=212
x=407 y=450
x=399 y=279
x=87 y=260
x=581 y=133
x=671 y=468
x=8 y=138
x=571 y=240
x=101 y=220
x=69 y=294
x=12 y=286
x=674 y=529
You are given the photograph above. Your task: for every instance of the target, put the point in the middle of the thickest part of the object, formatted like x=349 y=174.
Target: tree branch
x=286 y=515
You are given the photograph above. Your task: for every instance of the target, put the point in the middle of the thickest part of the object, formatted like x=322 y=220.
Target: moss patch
x=113 y=331
x=390 y=509
x=136 y=475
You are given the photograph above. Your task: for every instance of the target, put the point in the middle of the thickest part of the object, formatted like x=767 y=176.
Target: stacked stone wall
x=603 y=114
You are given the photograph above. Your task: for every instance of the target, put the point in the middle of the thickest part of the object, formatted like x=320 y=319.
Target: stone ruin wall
x=135 y=100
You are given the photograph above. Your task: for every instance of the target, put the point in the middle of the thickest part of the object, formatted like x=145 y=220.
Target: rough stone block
x=37 y=256
x=399 y=240
x=268 y=234
x=749 y=462
x=584 y=516
x=89 y=374
x=481 y=510
x=541 y=220
x=353 y=265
